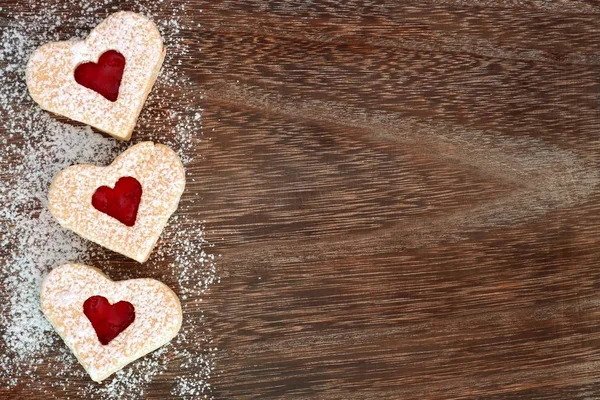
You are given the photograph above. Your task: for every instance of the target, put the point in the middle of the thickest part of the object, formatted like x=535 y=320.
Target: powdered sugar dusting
x=34 y=146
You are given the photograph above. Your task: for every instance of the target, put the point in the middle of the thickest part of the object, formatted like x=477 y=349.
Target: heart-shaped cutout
x=108 y=320
x=158 y=316
x=103 y=77
x=122 y=202
x=53 y=84
x=159 y=172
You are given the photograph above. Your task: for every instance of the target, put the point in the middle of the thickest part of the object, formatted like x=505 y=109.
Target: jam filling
x=122 y=202
x=103 y=77
x=108 y=320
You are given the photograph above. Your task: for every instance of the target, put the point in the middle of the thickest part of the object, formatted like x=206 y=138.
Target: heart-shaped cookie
x=125 y=206
x=102 y=81
x=66 y=295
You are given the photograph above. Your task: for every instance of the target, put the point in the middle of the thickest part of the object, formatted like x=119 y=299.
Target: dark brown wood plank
x=404 y=194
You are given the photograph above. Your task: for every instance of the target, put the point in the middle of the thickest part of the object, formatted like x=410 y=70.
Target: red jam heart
x=108 y=320
x=103 y=77
x=122 y=202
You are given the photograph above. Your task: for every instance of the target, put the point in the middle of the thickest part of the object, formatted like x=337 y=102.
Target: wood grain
x=405 y=196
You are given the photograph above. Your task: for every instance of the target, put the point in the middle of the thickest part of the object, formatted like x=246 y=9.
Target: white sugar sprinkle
x=34 y=146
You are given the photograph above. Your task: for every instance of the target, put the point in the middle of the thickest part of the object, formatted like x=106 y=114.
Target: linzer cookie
x=108 y=324
x=125 y=206
x=102 y=81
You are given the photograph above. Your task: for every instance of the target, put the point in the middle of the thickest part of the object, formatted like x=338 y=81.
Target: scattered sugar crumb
x=34 y=146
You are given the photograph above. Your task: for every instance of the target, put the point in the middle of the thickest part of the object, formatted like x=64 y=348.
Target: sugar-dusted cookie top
x=82 y=304
x=124 y=206
x=117 y=65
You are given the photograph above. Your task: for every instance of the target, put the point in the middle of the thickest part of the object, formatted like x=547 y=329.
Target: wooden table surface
x=405 y=195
